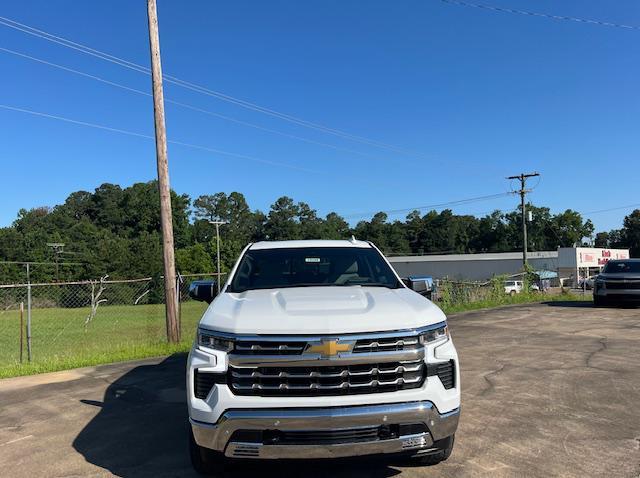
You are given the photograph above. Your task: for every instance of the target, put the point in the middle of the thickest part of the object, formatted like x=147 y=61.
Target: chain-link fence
x=87 y=321
x=453 y=293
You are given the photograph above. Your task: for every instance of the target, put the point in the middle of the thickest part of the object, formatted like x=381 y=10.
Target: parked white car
x=317 y=349
x=513 y=287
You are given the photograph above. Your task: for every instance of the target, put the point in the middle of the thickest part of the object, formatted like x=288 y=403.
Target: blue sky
x=473 y=95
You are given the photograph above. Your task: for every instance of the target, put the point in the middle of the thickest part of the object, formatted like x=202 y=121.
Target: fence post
x=21 y=329
x=179 y=281
x=28 y=314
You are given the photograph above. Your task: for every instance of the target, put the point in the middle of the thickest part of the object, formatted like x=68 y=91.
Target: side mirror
x=203 y=290
x=421 y=285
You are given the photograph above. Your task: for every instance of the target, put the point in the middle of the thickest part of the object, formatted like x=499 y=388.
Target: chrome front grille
x=364 y=343
x=269 y=348
x=386 y=344
x=327 y=379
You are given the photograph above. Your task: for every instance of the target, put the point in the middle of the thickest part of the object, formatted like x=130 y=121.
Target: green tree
x=602 y=239
x=282 y=220
x=335 y=227
x=571 y=229
x=194 y=259
x=631 y=232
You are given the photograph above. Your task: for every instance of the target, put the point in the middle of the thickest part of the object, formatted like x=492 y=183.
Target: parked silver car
x=619 y=282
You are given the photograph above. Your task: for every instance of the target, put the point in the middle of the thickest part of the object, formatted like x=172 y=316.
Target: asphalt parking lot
x=548 y=390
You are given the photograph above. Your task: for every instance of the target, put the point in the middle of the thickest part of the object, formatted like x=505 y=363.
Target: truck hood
x=320 y=310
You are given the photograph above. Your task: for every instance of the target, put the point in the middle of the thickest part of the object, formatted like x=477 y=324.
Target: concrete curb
x=26 y=381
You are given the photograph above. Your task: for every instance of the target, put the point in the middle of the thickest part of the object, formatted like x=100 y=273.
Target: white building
x=583 y=262
x=570 y=263
x=472 y=266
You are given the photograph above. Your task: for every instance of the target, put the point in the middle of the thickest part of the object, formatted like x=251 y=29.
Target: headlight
x=434 y=335
x=209 y=339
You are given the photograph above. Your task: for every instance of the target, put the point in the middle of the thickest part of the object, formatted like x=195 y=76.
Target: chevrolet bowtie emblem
x=328 y=348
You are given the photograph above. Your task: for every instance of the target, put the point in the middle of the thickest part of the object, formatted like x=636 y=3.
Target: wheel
x=512 y=293
x=203 y=460
x=444 y=446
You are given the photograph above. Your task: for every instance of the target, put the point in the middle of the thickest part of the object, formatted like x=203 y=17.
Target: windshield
x=622 y=266
x=312 y=266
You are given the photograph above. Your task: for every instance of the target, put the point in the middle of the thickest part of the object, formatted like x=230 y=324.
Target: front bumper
x=220 y=436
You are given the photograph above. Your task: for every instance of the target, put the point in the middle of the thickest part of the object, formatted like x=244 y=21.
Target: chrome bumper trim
x=311 y=360
x=343 y=450
x=316 y=337
x=217 y=436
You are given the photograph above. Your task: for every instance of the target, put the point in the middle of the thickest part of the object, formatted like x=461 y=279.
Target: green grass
x=61 y=341
x=523 y=298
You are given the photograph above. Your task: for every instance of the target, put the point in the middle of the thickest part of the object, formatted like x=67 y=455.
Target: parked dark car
x=618 y=283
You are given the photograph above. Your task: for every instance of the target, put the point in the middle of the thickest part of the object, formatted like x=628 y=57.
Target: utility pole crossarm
x=523 y=192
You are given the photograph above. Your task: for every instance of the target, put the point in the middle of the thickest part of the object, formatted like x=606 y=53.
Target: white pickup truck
x=317 y=349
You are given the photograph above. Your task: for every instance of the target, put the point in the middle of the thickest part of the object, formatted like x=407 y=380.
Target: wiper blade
x=281 y=286
x=310 y=284
x=368 y=284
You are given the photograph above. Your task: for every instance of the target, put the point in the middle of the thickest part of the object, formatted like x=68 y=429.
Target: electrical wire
x=181 y=104
x=484 y=6
x=146 y=136
x=432 y=206
x=598 y=211
x=185 y=84
x=215 y=94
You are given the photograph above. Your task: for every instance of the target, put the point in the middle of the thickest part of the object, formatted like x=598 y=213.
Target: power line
x=487 y=213
x=43 y=263
x=206 y=91
x=611 y=209
x=432 y=206
x=538 y=14
x=181 y=104
x=146 y=136
x=183 y=83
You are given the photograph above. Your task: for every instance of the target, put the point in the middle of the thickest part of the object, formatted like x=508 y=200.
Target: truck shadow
x=141 y=430
x=570 y=303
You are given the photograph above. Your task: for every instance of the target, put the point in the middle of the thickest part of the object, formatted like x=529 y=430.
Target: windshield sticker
x=312 y=259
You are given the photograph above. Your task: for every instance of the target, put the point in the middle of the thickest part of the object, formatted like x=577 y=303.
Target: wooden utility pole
x=173 y=328
x=523 y=192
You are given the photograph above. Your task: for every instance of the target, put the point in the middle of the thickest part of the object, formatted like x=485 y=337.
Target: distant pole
x=28 y=313
x=523 y=192
x=58 y=248
x=218 y=224
x=21 y=329
x=173 y=329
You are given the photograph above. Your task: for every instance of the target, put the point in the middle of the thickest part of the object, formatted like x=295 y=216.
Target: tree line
x=115 y=231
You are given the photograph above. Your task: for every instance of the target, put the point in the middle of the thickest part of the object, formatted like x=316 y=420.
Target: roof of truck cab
x=307 y=243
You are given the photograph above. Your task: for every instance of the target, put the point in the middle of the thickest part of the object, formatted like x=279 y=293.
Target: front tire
x=445 y=447
x=204 y=461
